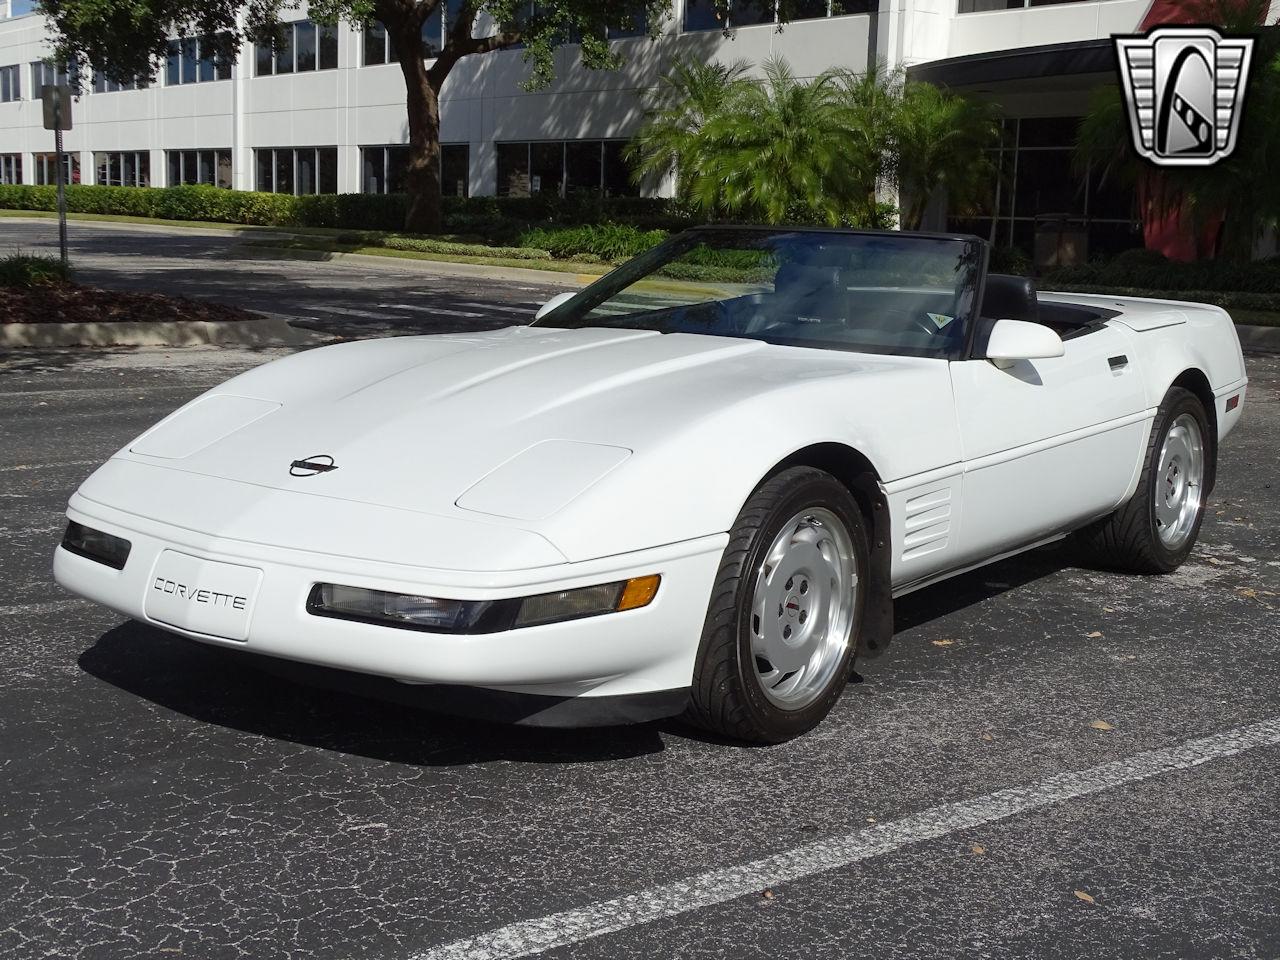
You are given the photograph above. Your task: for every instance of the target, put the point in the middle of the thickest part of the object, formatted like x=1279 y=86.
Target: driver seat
x=812 y=293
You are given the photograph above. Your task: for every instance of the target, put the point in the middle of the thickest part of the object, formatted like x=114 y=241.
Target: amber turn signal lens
x=639 y=592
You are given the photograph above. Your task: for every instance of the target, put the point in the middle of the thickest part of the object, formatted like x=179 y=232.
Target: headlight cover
x=439 y=615
x=96 y=545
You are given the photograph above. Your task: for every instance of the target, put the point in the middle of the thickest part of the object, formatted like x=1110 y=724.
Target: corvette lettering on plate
x=203 y=596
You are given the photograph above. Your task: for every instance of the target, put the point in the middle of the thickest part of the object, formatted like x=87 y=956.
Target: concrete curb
x=266 y=332
x=1258 y=339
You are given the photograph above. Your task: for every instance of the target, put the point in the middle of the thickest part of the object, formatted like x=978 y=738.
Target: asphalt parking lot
x=363 y=296
x=1049 y=762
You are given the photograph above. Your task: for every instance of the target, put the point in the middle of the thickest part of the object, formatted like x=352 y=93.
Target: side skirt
x=904 y=589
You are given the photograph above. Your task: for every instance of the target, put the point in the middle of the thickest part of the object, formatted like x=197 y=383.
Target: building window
x=10 y=168
x=377 y=44
x=47 y=168
x=103 y=84
x=564 y=167
x=131 y=168
x=44 y=73
x=1038 y=188
x=297 y=170
x=195 y=60
x=304 y=47
x=10 y=83
x=711 y=15
x=985 y=6
x=382 y=169
x=199 y=166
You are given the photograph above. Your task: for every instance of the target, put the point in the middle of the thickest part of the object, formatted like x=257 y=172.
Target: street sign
x=56 y=98
x=57 y=106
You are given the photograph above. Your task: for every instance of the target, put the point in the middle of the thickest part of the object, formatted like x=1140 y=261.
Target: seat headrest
x=801 y=279
x=1010 y=298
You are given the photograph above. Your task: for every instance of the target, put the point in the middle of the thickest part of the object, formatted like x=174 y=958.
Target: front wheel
x=1155 y=531
x=785 y=612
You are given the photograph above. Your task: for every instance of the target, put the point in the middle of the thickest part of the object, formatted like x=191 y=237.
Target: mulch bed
x=72 y=303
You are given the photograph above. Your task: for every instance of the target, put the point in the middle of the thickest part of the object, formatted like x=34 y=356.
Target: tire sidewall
x=815 y=490
x=1176 y=403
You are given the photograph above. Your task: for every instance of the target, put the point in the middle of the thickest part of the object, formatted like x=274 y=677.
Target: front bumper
x=650 y=650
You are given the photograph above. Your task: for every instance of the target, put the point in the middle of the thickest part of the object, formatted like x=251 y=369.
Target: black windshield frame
x=573 y=313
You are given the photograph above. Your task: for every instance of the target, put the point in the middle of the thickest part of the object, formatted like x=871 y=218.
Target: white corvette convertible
x=693 y=487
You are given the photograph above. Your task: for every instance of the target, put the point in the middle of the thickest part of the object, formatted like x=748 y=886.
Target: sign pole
x=56 y=101
x=62 y=194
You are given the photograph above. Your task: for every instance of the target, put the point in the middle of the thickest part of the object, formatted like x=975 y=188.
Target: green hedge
x=496 y=218
x=608 y=243
x=1227 y=299
x=451 y=247
x=1148 y=270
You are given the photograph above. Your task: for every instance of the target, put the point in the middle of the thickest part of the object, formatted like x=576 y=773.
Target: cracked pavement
x=162 y=798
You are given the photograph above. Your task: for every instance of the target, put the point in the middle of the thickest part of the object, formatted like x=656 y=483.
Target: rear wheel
x=781 y=629
x=1155 y=531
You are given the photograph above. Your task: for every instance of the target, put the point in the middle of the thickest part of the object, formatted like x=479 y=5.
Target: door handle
x=1115 y=363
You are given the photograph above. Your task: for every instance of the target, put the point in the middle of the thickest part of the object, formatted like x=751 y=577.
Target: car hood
x=505 y=427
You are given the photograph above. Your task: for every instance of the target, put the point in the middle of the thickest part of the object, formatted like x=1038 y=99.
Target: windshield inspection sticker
x=940 y=320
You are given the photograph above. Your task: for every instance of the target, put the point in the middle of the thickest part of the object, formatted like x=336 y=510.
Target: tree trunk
x=422 y=177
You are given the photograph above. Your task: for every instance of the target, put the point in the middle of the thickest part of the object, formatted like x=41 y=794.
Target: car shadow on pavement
x=957 y=593
x=381 y=719
x=309 y=706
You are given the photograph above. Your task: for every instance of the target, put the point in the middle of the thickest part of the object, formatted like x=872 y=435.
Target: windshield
x=869 y=292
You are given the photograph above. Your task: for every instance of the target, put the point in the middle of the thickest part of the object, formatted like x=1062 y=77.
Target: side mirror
x=1013 y=340
x=554 y=302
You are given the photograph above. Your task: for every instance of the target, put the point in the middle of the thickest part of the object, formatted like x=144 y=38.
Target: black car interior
x=1014 y=298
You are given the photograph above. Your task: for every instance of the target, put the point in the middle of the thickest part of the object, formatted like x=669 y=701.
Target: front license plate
x=203 y=596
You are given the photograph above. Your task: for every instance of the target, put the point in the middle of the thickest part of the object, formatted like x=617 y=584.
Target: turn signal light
x=639 y=592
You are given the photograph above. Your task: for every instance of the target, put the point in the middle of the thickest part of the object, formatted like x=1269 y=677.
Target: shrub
x=1138 y=258
x=497 y=219
x=609 y=242
x=1148 y=270
x=432 y=245
x=25 y=270
x=1010 y=260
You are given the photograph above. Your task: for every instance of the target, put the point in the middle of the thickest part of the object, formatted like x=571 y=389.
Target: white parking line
x=522 y=310
x=348 y=312
x=422 y=308
x=529 y=937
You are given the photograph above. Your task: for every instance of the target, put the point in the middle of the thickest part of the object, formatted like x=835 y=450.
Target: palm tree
x=943 y=143
x=778 y=150
x=671 y=138
x=783 y=149
x=868 y=108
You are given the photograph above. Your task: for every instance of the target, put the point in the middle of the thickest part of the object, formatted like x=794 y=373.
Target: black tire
x=1128 y=539
x=727 y=697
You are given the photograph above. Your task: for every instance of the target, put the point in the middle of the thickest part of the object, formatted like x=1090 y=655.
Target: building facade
x=326 y=114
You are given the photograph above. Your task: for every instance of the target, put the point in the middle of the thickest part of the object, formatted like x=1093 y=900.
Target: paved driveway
x=365 y=296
